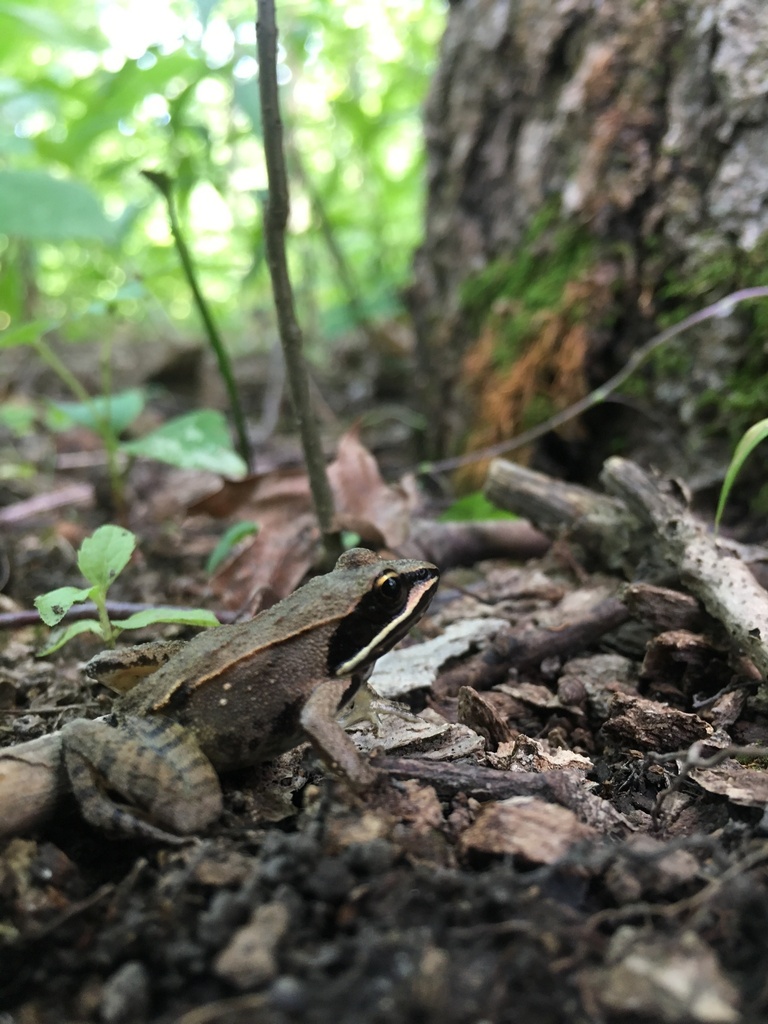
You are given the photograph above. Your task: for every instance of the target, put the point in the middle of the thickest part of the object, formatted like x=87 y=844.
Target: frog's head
x=383 y=599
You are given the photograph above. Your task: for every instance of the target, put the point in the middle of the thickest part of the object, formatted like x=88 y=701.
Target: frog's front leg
x=318 y=720
x=153 y=764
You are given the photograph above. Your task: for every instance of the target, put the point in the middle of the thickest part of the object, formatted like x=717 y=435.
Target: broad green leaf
x=36 y=206
x=124 y=90
x=43 y=24
x=54 y=605
x=118 y=410
x=227 y=541
x=59 y=637
x=105 y=554
x=474 y=508
x=199 y=440
x=181 y=616
x=751 y=439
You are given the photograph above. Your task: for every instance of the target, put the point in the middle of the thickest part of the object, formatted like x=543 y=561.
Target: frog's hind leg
x=165 y=786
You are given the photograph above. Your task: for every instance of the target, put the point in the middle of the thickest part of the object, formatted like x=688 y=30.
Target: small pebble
x=125 y=996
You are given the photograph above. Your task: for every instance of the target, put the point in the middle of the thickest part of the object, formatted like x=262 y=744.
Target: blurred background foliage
x=92 y=94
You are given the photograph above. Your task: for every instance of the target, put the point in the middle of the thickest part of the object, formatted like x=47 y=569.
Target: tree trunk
x=595 y=173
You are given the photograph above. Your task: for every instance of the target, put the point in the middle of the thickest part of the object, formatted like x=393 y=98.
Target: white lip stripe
x=417 y=593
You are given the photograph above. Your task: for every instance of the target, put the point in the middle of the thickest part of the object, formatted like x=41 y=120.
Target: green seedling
x=751 y=439
x=198 y=440
x=228 y=540
x=101 y=559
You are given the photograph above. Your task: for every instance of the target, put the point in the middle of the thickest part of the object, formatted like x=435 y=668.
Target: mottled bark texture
x=595 y=171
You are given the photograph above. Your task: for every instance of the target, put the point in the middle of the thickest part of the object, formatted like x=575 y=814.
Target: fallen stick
x=722 y=582
x=32 y=779
x=524 y=649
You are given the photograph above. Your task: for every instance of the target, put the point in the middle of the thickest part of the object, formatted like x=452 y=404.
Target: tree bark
x=595 y=172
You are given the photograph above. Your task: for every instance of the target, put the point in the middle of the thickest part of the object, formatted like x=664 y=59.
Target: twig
x=723 y=583
x=525 y=649
x=164 y=185
x=275 y=221
x=691 y=759
x=722 y=308
x=696 y=902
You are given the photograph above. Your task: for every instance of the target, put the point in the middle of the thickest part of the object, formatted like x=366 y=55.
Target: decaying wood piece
x=525 y=827
x=651 y=725
x=665 y=609
x=640 y=525
x=449 y=544
x=723 y=583
x=523 y=649
x=597 y=523
x=564 y=787
x=32 y=778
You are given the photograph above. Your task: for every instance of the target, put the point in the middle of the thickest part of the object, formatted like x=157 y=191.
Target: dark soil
x=393 y=908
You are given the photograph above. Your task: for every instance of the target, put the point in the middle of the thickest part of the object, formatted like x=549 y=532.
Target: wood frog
x=237 y=695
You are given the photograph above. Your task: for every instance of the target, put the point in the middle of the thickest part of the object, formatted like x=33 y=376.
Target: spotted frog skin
x=237 y=695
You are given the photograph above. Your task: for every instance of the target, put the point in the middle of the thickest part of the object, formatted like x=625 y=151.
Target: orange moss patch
x=549 y=374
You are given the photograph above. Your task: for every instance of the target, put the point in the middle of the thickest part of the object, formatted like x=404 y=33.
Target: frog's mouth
x=361 y=638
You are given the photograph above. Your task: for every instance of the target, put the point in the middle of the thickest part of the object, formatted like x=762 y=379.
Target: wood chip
x=747 y=787
x=531 y=829
x=651 y=725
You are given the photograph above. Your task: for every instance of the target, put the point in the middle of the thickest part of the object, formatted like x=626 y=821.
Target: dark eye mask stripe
x=391 y=631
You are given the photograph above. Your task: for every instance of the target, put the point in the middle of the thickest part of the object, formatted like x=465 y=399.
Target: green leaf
x=118 y=410
x=227 y=541
x=54 y=605
x=44 y=24
x=474 y=508
x=59 y=637
x=105 y=554
x=199 y=440
x=39 y=207
x=181 y=616
x=751 y=439
x=26 y=334
x=18 y=417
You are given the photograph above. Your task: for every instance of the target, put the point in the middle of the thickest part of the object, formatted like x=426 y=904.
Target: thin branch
x=692 y=759
x=722 y=308
x=164 y=185
x=275 y=222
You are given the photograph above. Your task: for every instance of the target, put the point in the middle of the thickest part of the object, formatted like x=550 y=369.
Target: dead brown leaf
x=379 y=512
x=270 y=567
x=261 y=494
x=272 y=564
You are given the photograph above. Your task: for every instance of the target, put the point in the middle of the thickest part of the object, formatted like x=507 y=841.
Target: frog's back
x=241 y=688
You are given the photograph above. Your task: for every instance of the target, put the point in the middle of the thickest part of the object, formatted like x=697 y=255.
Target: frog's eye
x=390 y=587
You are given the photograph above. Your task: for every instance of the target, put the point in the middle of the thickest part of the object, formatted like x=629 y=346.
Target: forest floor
x=554 y=845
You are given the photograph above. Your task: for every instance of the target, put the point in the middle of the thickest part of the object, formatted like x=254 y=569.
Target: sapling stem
x=275 y=222
x=164 y=185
